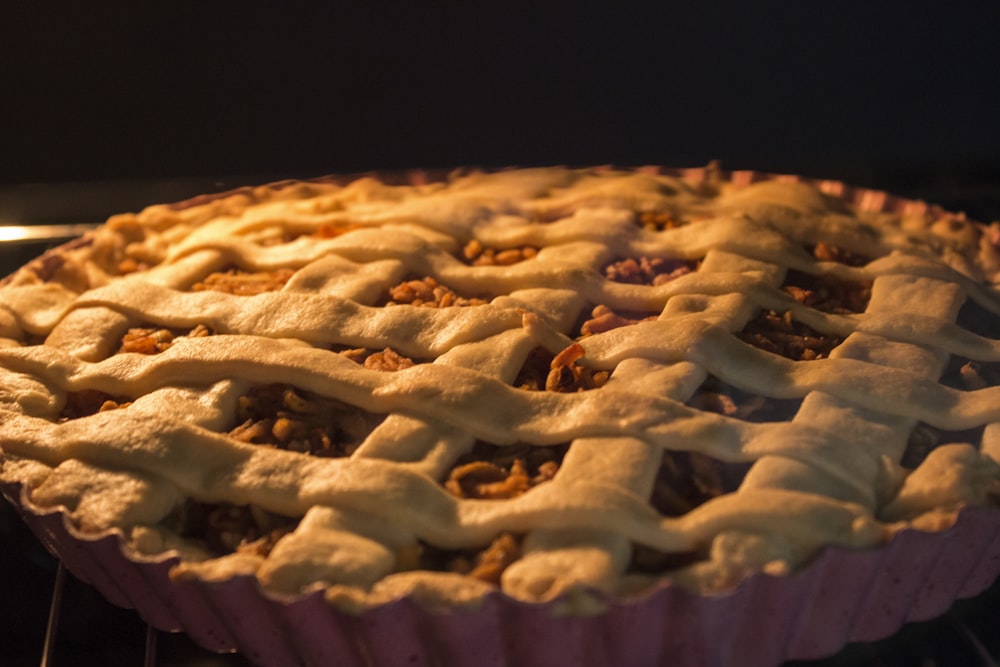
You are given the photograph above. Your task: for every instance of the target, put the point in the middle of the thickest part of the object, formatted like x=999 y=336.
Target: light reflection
x=13 y=233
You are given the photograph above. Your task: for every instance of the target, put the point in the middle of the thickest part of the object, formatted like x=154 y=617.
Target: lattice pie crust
x=547 y=381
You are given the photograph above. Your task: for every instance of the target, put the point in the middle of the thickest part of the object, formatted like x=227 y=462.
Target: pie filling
x=965 y=375
x=649 y=270
x=493 y=472
x=486 y=565
x=969 y=375
x=781 y=333
x=475 y=254
x=89 y=402
x=828 y=252
x=827 y=294
x=386 y=359
x=560 y=372
x=224 y=528
x=924 y=438
x=658 y=221
x=716 y=396
x=283 y=417
x=244 y=283
x=429 y=293
x=153 y=340
x=288 y=418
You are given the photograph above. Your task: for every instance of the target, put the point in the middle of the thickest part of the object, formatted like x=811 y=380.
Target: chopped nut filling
x=781 y=334
x=560 y=373
x=493 y=472
x=225 y=528
x=685 y=480
x=979 y=375
x=826 y=252
x=150 y=340
x=827 y=294
x=565 y=375
x=688 y=479
x=924 y=438
x=244 y=283
x=969 y=375
x=90 y=402
x=490 y=563
x=535 y=370
x=486 y=565
x=649 y=270
x=484 y=480
x=429 y=293
x=716 y=396
x=476 y=254
x=287 y=418
x=604 y=319
x=659 y=221
x=386 y=360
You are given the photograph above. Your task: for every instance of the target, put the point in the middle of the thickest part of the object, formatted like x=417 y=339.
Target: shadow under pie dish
x=565 y=416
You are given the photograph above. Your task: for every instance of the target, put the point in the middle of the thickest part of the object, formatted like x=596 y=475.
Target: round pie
x=529 y=413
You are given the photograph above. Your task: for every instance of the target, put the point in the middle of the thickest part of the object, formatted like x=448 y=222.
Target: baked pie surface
x=542 y=381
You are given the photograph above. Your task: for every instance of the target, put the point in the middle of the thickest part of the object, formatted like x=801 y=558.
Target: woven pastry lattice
x=542 y=380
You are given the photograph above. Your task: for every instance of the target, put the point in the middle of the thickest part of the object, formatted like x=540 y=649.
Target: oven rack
x=49 y=618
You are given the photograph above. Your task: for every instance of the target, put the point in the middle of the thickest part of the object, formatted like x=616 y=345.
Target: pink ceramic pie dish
x=843 y=596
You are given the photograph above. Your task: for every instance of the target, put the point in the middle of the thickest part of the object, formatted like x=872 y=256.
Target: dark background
x=893 y=94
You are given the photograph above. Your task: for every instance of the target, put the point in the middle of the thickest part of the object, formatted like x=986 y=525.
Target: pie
x=553 y=389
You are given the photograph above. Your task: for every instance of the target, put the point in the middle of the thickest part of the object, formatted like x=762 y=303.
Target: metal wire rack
x=48 y=618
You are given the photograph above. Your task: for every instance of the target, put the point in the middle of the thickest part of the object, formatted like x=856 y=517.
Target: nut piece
x=90 y=402
x=284 y=417
x=429 y=293
x=566 y=375
x=486 y=564
x=649 y=270
x=659 y=221
x=781 y=334
x=244 y=283
x=685 y=480
x=716 y=396
x=604 y=319
x=491 y=562
x=485 y=480
x=386 y=360
x=475 y=254
x=150 y=340
x=827 y=294
x=226 y=528
x=826 y=252
x=493 y=472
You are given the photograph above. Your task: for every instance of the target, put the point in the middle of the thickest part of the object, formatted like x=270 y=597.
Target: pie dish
x=525 y=416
